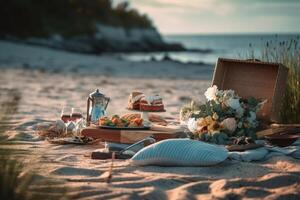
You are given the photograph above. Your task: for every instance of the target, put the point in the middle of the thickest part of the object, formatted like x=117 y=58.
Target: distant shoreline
x=46 y=60
x=232 y=34
x=164 y=47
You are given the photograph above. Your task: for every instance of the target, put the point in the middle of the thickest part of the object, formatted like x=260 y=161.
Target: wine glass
x=66 y=114
x=76 y=115
x=77 y=119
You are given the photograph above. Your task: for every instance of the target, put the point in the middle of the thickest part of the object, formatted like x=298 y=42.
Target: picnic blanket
x=266 y=152
x=259 y=154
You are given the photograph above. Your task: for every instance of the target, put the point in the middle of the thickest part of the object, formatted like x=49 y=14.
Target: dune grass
x=287 y=53
x=12 y=185
x=16 y=182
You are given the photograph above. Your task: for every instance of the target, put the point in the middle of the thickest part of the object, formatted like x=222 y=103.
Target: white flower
x=192 y=125
x=229 y=124
x=211 y=92
x=233 y=103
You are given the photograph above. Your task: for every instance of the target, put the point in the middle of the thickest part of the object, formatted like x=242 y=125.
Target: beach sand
x=36 y=82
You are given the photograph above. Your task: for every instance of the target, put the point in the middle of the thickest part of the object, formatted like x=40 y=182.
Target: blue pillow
x=180 y=152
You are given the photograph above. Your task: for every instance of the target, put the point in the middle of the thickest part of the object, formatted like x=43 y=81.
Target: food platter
x=117 y=123
x=145 y=115
x=125 y=128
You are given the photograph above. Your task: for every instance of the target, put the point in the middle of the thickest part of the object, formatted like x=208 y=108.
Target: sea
x=208 y=48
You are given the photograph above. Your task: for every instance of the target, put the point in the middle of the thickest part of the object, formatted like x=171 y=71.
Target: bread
x=139 y=101
x=152 y=117
x=134 y=100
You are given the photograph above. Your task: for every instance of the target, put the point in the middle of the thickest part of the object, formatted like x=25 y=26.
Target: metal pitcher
x=97 y=108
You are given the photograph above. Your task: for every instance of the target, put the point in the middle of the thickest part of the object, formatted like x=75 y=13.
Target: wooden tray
x=147 y=111
x=128 y=136
x=125 y=128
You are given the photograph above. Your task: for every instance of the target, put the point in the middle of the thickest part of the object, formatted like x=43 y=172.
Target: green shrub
x=287 y=53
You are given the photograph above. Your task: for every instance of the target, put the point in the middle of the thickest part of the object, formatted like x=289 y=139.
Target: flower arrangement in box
x=225 y=115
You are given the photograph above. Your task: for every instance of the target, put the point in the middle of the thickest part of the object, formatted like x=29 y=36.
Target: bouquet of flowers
x=223 y=116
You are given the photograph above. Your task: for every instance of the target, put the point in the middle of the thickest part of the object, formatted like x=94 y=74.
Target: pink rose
x=229 y=124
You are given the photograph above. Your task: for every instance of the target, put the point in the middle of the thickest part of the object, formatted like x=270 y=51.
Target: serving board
x=125 y=128
x=148 y=111
x=130 y=136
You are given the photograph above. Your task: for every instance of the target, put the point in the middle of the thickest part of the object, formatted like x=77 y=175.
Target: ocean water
x=213 y=46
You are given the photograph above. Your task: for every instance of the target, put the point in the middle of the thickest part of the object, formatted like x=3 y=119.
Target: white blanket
x=266 y=152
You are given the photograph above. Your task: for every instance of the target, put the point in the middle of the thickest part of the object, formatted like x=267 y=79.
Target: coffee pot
x=97 y=108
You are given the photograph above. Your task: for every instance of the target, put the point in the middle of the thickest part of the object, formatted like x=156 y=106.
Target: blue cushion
x=180 y=152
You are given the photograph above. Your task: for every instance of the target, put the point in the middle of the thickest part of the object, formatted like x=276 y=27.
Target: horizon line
x=235 y=33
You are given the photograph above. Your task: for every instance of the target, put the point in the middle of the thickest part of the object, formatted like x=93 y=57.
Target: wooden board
x=279 y=130
x=125 y=128
x=257 y=79
x=127 y=136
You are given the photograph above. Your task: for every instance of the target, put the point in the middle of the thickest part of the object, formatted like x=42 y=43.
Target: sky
x=221 y=16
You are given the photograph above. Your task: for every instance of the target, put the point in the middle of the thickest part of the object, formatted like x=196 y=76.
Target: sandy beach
x=36 y=82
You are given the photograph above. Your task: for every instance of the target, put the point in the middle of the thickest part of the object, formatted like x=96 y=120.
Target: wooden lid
x=253 y=78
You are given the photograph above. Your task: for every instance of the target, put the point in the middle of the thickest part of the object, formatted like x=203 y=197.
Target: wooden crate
x=254 y=78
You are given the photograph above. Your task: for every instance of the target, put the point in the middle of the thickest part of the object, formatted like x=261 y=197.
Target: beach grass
x=13 y=185
x=287 y=53
x=16 y=182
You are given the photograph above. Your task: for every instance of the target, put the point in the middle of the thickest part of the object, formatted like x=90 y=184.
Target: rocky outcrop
x=109 y=39
x=134 y=39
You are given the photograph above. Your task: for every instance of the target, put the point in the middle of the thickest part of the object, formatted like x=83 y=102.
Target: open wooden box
x=252 y=78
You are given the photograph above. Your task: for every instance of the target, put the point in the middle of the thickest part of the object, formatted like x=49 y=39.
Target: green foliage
x=287 y=53
x=216 y=138
x=40 y=18
x=15 y=182
x=10 y=185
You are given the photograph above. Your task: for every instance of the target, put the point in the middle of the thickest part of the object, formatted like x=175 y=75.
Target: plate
x=126 y=128
x=282 y=140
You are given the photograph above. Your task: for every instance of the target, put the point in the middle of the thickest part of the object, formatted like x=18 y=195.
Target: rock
x=107 y=39
x=166 y=57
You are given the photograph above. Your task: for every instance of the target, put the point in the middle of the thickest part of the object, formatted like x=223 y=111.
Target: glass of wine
x=76 y=115
x=66 y=114
x=77 y=119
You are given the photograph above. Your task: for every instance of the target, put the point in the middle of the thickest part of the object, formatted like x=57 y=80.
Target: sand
x=34 y=86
